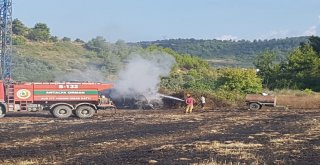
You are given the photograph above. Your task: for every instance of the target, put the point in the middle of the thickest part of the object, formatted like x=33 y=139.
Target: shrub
x=66 y=39
x=54 y=39
x=19 y=40
x=239 y=80
x=308 y=91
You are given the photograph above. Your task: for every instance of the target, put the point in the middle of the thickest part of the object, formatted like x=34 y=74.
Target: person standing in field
x=189 y=102
x=203 y=102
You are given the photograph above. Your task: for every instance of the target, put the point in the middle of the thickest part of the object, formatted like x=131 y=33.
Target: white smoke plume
x=142 y=74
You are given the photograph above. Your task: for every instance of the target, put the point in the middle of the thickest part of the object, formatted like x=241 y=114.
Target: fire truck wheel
x=2 y=111
x=62 y=111
x=85 y=111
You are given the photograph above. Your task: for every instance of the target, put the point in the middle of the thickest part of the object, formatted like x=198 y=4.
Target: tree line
x=40 y=32
x=300 y=70
x=241 y=50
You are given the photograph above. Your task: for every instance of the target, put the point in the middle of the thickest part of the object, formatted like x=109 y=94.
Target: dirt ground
x=267 y=136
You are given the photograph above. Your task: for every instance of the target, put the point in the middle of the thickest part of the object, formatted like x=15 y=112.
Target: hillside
x=40 y=61
x=99 y=60
x=39 y=56
x=228 y=53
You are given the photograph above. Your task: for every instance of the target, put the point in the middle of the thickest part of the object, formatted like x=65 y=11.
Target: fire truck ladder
x=10 y=98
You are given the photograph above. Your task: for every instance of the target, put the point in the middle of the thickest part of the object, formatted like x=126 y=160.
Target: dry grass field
x=299 y=101
x=225 y=136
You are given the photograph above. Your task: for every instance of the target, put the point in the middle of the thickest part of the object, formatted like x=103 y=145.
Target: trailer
x=256 y=101
x=61 y=99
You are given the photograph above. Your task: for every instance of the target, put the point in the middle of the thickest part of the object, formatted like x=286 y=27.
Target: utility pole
x=6 y=40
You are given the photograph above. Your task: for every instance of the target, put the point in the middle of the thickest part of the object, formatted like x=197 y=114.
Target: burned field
x=270 y=136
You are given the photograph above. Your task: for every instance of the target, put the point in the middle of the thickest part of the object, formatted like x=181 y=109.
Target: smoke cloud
x=142 y=74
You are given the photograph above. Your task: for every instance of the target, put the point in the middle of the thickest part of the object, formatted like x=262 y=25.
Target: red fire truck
x=62 y=99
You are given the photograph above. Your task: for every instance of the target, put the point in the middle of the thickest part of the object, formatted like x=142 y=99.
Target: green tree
x=40 y=32
x=18 y=40
x=78 y=40
x=112 y=63
x=97 y=44
x=300 y=70
x=304 y=67
x=240 y=80
x=18 y=28
x=315 y=43
x=174 y=81
x=266 y=67
x=54 y=39
x=66 y=39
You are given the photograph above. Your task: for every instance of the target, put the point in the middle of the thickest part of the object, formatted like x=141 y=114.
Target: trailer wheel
x=85 y=111
x=2 y=111
x=254 y=106
x=62 y=111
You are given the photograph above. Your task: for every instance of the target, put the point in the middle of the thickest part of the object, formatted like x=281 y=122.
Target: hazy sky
x=144 y=20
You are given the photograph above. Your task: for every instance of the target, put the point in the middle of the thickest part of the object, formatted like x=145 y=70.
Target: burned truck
x=138 y=100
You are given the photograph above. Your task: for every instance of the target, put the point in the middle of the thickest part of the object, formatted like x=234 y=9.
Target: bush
x=308 y=91
x=19 y=40
x=239 y=80
x=40 y=32
x=217 y=99
x=66 y=39
x=54 y=39
x=79 y=40
x=228 y=98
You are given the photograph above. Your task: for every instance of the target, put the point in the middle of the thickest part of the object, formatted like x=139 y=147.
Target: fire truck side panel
x=65 y=96
x=58 y=92
x=70 y=85
x=66 y=92
x=23 y=92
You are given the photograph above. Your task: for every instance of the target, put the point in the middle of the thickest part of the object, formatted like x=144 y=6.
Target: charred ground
x=163 y=137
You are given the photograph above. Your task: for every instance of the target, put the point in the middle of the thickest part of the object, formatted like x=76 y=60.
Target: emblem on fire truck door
x=23 y=94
